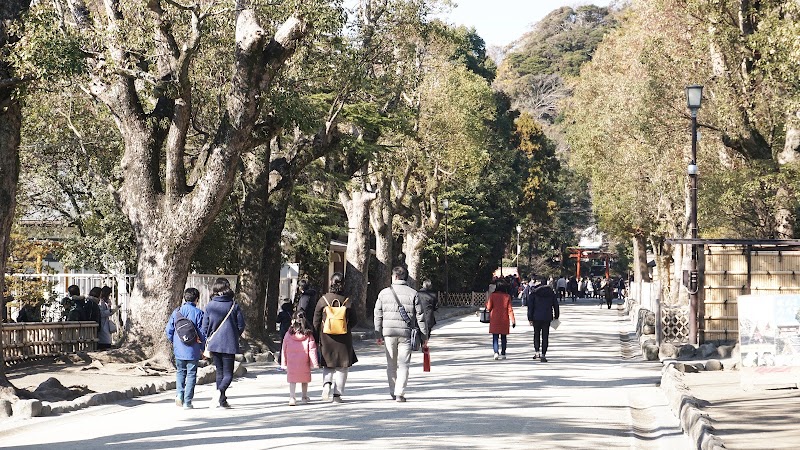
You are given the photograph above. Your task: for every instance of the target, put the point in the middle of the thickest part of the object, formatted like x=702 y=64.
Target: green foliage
x=560 y=43
x=47 y=50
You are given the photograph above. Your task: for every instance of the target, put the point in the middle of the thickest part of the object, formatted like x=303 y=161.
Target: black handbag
x=416 y=333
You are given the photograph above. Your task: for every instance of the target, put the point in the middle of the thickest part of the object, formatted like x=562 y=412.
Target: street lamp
x=519 y=249
x=694 y=99
x=446 y=205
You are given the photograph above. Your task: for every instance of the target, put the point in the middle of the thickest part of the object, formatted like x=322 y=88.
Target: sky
x=500 y=22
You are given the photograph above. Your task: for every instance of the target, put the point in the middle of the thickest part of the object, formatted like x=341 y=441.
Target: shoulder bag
x=207 y=352
x=416 y=333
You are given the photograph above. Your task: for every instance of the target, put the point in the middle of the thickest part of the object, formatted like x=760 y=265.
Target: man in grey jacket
x=394 y=332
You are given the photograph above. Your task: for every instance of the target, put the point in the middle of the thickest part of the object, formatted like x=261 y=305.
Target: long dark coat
x=336 y=350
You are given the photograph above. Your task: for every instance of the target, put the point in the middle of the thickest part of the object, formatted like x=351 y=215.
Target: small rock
x=650 y=352
x=249 y=357
x=650 y=318
x=680 y=367
x=261 y=357
x=239 y=370
x=239 y=357
x=5 y=408
x=667 y=351
x=707 y=350
x=25 y=409
x=724 y=351
x=686 y=351
x=699 y=366
x=649 y=330
x=46 y=410
x=714 y=365
x=689 y=368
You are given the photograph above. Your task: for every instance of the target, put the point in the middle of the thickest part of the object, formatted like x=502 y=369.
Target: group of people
x=308 y=343
x=216 y=334
x=542 y=305
x=95 y=307
x=588 y=287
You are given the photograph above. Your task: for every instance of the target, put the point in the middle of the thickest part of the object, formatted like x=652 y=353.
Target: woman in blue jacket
x=223 y=323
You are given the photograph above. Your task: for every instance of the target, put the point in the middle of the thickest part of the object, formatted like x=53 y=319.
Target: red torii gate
x=591 y=253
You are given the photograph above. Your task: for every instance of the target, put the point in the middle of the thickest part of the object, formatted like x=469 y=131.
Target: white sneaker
x=496 y=356
x=326 y=392
x=292 y=401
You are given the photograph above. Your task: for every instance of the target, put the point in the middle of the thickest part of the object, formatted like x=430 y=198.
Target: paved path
x=588 y=396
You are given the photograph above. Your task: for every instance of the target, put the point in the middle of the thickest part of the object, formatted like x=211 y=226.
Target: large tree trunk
x=253 y=242
x=413 y=244
x=381 y=215
x=10 y=124
x=356 y=204
x=276 y=212
x=168 y=216
x=641 y=272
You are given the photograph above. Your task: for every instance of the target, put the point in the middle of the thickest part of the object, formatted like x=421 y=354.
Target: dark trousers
x=504 y=341
x=224 y=364
x=541 y=333
x=608 y=302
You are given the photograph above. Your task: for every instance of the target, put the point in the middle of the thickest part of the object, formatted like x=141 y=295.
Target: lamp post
x=446 y=205
x=519 y=249
x=694 y=99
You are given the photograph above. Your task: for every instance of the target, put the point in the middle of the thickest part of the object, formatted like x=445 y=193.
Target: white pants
x=337 y=376
x=398 y=360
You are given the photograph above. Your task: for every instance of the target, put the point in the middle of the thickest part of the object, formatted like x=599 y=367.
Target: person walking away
x=307 y=302
x=299 y=351
x=561 y=288
x=621 y=288
x=582 y=287
x=187 y=354
x=223 y=324
x=608 y=292
x=572 y=288
x=284 y=321
x=336 y=350
x=501 y=314
x=394 y=332
x=106 y=312
x=542 y=309
x=429 y=302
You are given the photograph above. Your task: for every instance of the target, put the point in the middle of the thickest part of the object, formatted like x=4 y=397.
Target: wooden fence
x=29 y=340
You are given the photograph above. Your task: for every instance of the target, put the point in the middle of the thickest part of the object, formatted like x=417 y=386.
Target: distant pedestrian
x=561 y=288
x=104 y=338
x=299 y=352
x=284 y=321
x=572 y=288
x=394 y=331
x=307 y=302
x=187 y=355
x=621 y=288
x=541 y=311
x=223 y=324
x=501 y=314
x=336 y=350
x=429 y=302
x=608 y=292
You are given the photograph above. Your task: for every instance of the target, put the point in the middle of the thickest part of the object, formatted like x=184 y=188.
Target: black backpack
x=185 y=328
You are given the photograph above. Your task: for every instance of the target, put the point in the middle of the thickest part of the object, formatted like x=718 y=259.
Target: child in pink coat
x=299 y=356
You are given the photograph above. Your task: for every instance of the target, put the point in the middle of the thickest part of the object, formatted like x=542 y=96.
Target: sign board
x=769 y=340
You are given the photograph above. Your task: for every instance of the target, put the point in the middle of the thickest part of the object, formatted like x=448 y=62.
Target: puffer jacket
x=388 y=321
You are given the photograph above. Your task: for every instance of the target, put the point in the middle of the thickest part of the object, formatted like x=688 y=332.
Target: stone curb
x=205 y=375
x=686 y=408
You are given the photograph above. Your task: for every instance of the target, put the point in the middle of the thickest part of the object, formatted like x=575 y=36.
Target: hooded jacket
x=543 y=304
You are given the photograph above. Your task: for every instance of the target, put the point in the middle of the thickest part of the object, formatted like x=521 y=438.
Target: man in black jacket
x=542 y=309
x=429 y=301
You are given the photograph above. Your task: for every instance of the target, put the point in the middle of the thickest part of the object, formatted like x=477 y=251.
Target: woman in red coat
x=500 y=315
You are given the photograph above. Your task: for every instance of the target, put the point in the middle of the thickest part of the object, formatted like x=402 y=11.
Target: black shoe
x=401 y=399
x=543 y=359
x=393 y=396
